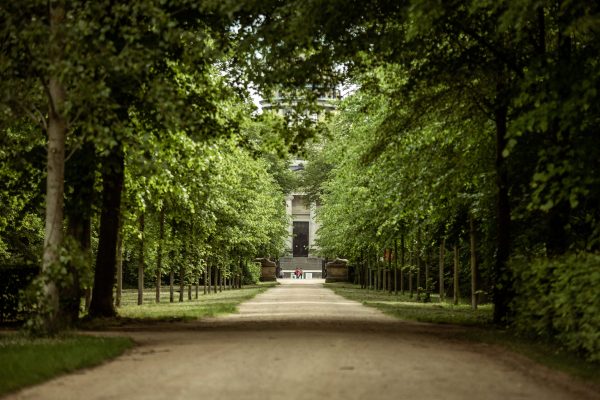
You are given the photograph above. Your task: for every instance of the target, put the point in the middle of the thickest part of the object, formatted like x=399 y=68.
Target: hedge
x=559 y=299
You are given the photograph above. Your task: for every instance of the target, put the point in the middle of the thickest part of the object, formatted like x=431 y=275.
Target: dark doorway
x=300 y=239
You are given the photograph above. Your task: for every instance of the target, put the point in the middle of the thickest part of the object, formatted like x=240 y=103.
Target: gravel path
x=301 y=341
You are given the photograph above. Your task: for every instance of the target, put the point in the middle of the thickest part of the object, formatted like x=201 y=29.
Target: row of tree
x=465 y=110
x=126 y=114
x=474 y=128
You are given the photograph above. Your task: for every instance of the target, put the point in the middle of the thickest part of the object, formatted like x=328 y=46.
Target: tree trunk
x=558 y=217
x=80 y=177
x=389 y=271
x=456 y=288
x=427 y=261
x=55 y=165
x=104 y=277
x=473 y=263
x=181 y=281
x=161 y=237
x=365 y=272
x=410 y=277
x=209 y=269
x=197 y=285
x=418 y=255
x=220 y=280
x=190 y=291
x=171 y=285
x=215 y=279
x=204 y=276
x=442 y=263
x=368 y=272
x=502 y=277
x=402 y=255
x=140 y=299
x=419 y=287
x=396 y=267
x=119 y=268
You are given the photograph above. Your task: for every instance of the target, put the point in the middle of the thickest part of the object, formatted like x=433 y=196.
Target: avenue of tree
x=472 y=136
x=468 y=158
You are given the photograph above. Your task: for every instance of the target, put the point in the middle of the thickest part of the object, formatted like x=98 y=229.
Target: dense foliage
x=558 y=297
x=474 y=129
x=471 y=129
x=147 y=150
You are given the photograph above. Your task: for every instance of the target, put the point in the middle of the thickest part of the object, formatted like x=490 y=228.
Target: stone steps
x=313 y=265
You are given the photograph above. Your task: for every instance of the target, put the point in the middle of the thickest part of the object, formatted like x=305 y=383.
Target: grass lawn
x=205 y=306
x=27 y=361
x=403 y=307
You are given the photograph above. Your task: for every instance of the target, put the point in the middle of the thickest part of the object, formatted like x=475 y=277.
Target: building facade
x=302 y=231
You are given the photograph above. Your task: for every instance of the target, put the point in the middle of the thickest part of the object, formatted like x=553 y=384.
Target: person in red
x=301 y=274
x=297 y=273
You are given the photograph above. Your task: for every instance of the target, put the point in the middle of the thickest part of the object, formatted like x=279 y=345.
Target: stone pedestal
x=267 y=270
x=337 y=270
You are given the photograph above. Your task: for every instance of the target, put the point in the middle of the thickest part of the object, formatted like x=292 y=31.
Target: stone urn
x=337 y=270
x=267 y=270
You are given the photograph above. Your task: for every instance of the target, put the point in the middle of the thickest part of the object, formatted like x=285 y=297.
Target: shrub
x=13 y=280
x=250 y=273
x=559 y=298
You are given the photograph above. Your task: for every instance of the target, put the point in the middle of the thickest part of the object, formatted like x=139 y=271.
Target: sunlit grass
x=208 y=305
x=27 y=361
x=405 y=307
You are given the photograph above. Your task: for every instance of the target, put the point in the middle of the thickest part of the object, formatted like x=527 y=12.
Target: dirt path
x=301 y=341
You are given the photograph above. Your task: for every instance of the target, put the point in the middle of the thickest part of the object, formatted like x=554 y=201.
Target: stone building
x=301 y=248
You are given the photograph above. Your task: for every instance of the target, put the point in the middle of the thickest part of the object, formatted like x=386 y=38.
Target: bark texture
x=104 y=278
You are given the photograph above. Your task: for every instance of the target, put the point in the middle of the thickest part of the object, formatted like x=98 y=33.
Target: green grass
x=544 y=352
x=28 y=361
x=403 y=307
x=208 y=305
x=480 y=320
